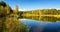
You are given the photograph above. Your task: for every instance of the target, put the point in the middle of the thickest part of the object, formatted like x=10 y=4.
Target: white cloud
x=35 y=9
x=22 y=10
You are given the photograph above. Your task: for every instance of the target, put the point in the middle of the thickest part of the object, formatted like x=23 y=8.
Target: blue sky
x=34 y=4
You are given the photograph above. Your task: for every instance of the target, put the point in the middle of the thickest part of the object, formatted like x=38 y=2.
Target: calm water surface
x=41 y=26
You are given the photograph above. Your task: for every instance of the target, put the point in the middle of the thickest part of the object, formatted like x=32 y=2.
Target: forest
x=41 y=14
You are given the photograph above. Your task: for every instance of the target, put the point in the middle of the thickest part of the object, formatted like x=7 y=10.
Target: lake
x=41 y=26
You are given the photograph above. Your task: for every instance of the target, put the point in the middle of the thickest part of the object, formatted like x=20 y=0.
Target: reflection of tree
x=35 y=17
x=58 y=19
x=48 y=18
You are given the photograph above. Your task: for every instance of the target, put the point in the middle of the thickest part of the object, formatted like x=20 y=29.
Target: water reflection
x=41 y=26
